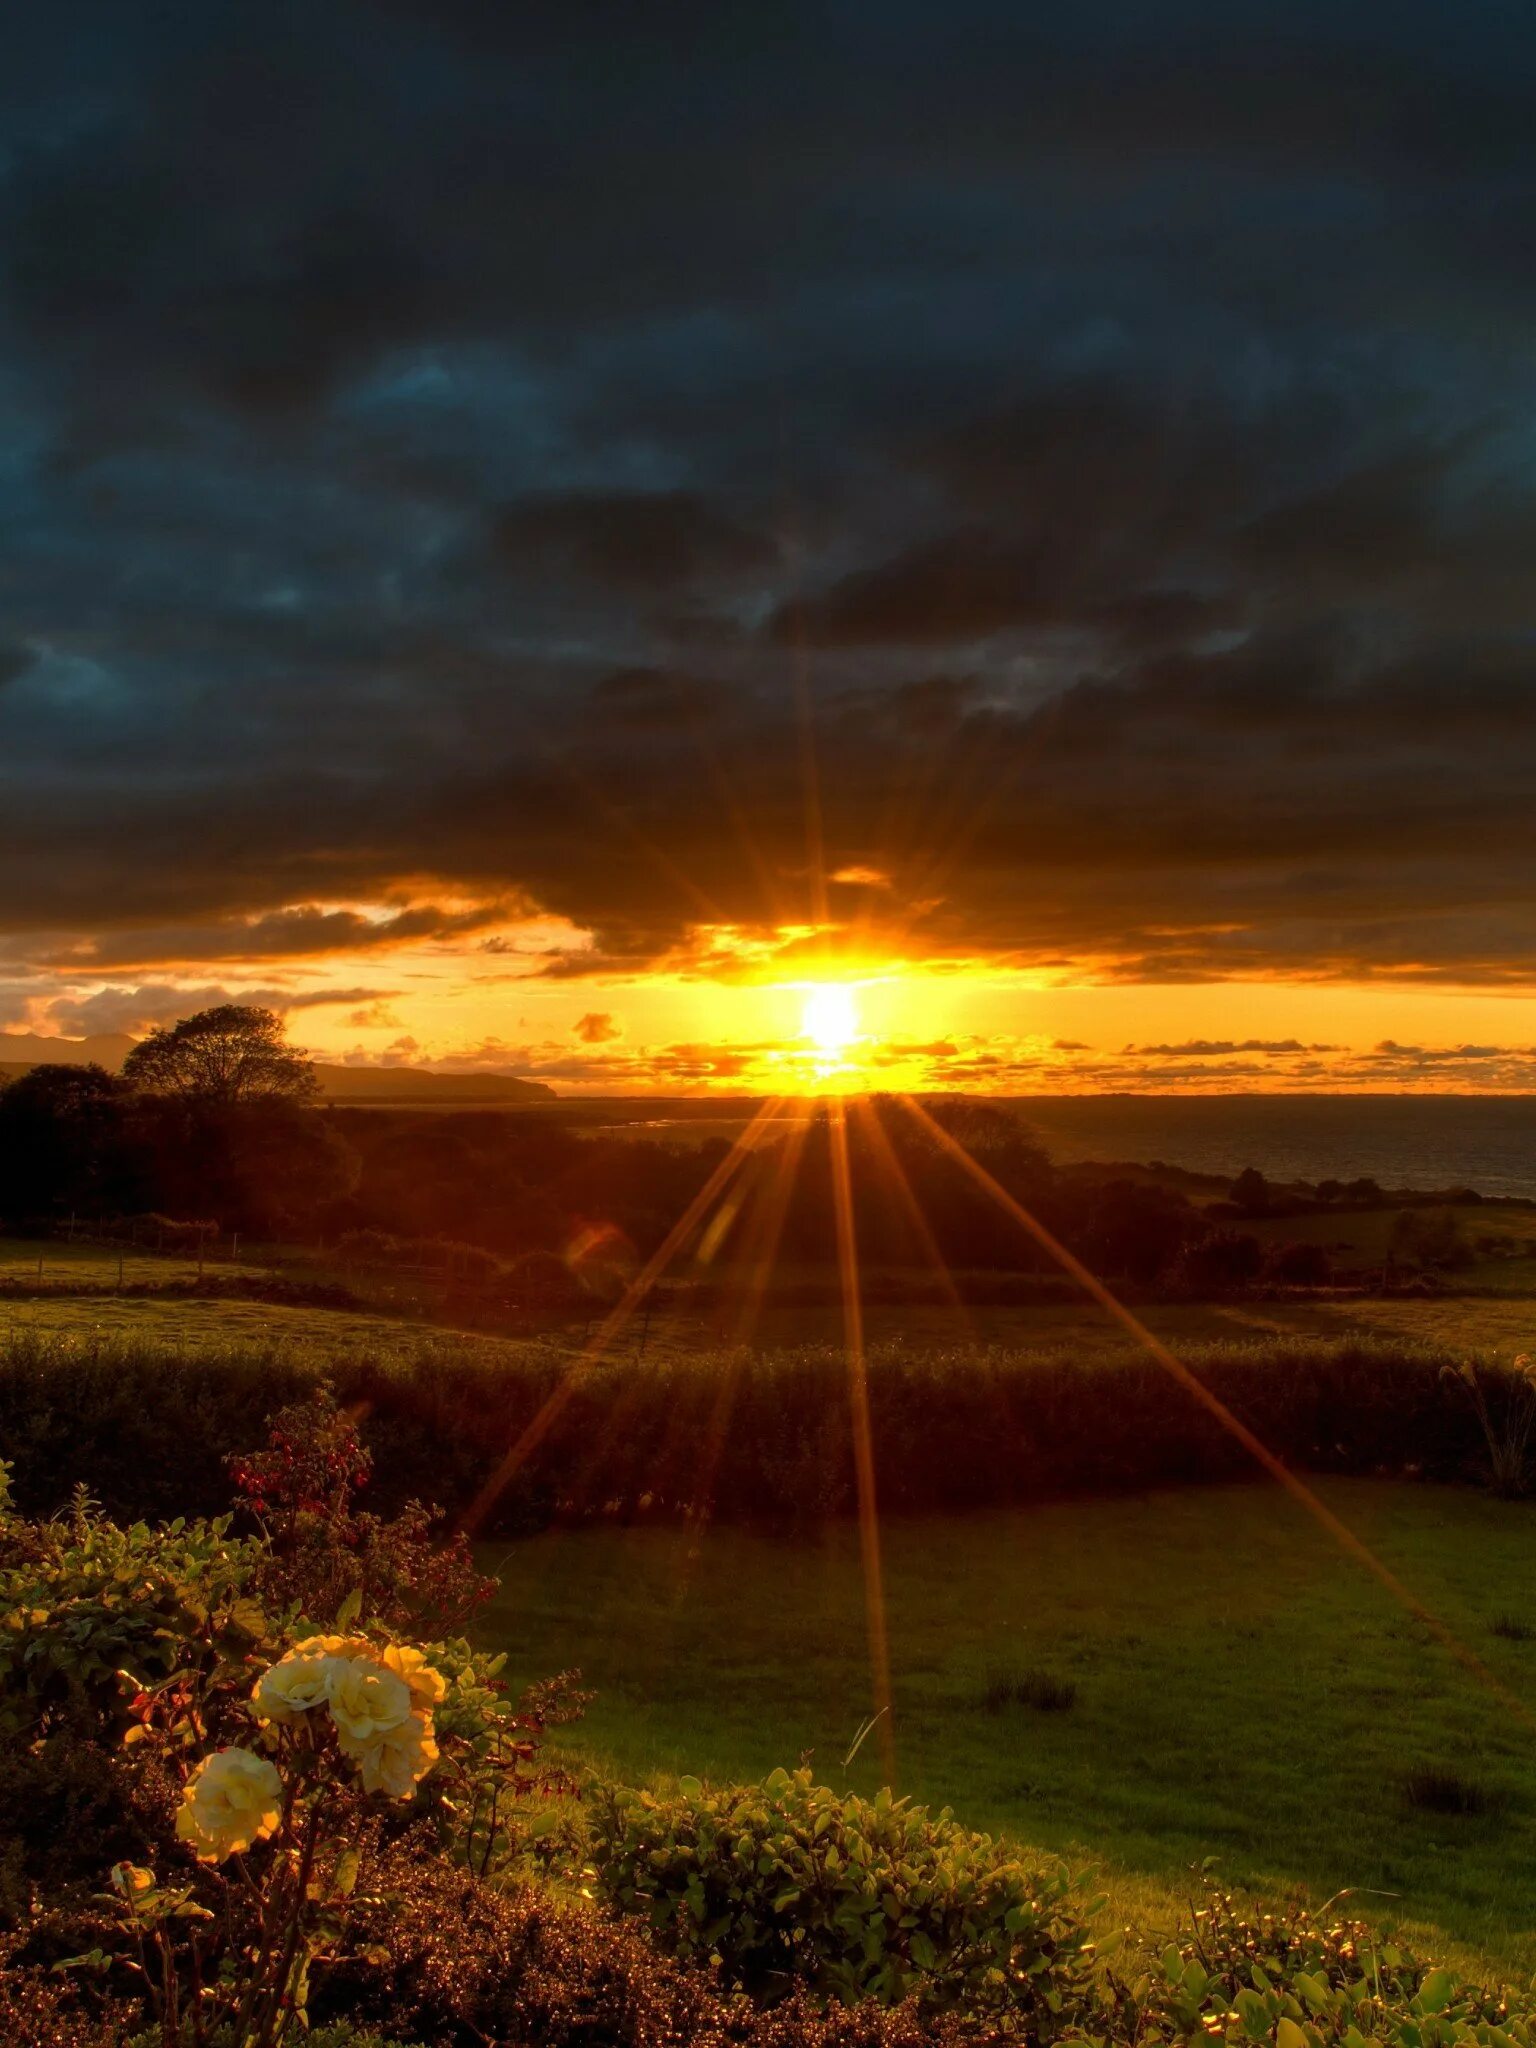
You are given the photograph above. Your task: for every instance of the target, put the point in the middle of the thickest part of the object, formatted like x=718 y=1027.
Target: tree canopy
x=234 y=1053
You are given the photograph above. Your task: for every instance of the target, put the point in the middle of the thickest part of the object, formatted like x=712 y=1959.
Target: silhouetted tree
x=1428 y=1238
x=1301 y=1265
x=1250 y=1192
x=231 y=1054
x=271 y=1168
x=1227 y=1258
x=65 y=1143
x=1134 y=1229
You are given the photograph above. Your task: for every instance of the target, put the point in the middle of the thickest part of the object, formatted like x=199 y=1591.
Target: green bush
x=790 y=1883
x=1297 y=1982
x=84 y=1602
x=448 y=1960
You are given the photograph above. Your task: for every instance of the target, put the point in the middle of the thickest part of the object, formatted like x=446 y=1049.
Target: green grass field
x=206 y=1323
x=1244 y=1691
x=56 y=1263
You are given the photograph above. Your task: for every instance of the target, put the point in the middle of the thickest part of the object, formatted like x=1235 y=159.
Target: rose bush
x=336 y=1720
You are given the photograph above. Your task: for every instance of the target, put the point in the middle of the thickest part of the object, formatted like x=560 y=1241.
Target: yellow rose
x=232 y=1799
x=396 y=1761
x=366 y=1701
x=333 y=1646
x=293 y=1686
x=428 y=1686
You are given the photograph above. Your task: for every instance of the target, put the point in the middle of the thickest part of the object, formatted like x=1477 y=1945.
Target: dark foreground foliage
x=527 y=1969
x=780 y=1916
x=149 y=1432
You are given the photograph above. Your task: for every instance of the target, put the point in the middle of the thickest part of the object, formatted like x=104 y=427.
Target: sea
x=1486 y=1142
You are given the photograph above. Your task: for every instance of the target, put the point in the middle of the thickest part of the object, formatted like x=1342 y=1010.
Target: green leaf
x=1289 y=2035
x=1435 y=1992
x=349 y=1610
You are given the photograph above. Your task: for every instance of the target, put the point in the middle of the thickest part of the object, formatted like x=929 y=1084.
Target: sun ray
x=868 y=1117
x=743 y=1191
x=863 y=1439
x=1262 y=1455
x=761 y=1250
x=541 y=1423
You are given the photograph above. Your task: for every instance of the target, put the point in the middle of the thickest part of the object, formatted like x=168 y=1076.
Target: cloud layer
x=1065 y=477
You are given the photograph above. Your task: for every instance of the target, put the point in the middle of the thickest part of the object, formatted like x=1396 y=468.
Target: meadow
x=1136 y=1676
x=1225 y=1683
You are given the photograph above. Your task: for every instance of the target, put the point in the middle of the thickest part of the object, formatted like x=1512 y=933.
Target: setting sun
x=830 y=1018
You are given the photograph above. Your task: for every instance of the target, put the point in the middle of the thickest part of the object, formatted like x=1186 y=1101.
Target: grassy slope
x=1244 y=1691
x=65 y=1265
x=1471 y=1323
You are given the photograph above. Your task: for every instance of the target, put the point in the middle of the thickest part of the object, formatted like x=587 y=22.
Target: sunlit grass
x=1239 y=1690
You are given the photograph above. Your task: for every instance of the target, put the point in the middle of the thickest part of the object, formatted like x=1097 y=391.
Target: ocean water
x=1487 y=1142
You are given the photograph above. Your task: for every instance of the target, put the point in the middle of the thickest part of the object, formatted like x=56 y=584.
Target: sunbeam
x=863 y=1439
x=538 y=1428
x=1278 y=1470
x=868 y=1117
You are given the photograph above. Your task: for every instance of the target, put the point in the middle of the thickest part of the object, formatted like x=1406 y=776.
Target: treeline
x=213 y=1127
x=79 y=1142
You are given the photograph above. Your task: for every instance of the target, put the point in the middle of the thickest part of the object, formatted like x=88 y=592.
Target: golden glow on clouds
x=430 y=976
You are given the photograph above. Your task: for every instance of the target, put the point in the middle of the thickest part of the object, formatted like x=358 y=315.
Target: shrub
x=1041 y=1690
x=1227 y=1258
x=41 y=2010
x=1434 y=1789
x=440 y=1956
x=1429 y=1239
x=1301 y=1265
x=1299 y=1982
x=83 y=1602
x=1506 y=1414
x=789 y=1883
x=322 y=1548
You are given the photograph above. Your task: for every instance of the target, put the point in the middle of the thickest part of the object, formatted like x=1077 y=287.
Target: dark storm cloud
x=499 y=447
x=635 y=541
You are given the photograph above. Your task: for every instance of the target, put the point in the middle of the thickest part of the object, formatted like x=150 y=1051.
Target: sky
x=534 y=537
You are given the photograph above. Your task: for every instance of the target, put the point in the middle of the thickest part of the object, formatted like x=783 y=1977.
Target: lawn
x=203 y=1323
x=56 y=1262
x=1475 y=1322
x=1243 y=1690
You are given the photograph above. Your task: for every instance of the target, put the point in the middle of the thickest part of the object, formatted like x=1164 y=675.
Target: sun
x=830 y=1019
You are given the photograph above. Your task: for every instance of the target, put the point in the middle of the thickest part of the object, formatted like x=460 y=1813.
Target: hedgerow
x=149 y=1429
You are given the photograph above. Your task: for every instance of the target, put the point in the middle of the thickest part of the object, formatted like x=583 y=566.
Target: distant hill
x=416 y=1085
x=20 y=1050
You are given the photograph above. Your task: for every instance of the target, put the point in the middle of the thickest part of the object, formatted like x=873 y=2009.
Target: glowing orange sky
x=731 y=1015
